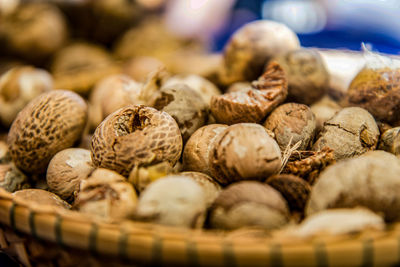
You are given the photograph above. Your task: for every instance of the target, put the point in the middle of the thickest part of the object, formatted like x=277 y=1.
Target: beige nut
x=323 y=110
x=174 y=201
x=249 y=203
x=49 y=123
x=41 y=197
x=18 y=86
x=66 y=170
x=139 y=68
x=244 y=151
x=134 y=136
x=12 y=179
x=106 y=194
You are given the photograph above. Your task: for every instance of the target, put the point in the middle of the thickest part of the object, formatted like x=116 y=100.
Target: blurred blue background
x=324 y=23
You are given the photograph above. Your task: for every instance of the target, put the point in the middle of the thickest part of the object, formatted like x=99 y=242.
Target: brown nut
x=249 y=203
x=295 y=190
x=106 y=194
x=41 y=197
x=198 y=147
x=66 y=170
x=252 y=46
x=351 y=132
x=253 y=104
x=34 y=30
x=370 y=180
x=136 y=135
x=173 y=200
x=49 y=123
x=139 y=68
x=292 y=123
x=78 y=66
x=244 y=151
x=18 y=86
x=390 y=141
x=199 y=84
x=323 y=110
x=210 y=186
x=141 y=177
x=307 y=76
x=12 y=179
x=185 y=105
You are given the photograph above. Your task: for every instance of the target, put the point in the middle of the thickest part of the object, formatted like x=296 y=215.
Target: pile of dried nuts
x=250 y=138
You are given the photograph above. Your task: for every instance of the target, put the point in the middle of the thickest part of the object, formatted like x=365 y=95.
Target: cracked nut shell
x=50 y=123
x=133 y=136
x=292 y=123
x=244 y=151
x=351 y=132
x=249 y=203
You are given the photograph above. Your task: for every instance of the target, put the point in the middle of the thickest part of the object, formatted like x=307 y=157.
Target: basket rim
x=144 y=243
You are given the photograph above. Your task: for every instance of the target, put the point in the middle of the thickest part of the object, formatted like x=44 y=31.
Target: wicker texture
x=66 y=238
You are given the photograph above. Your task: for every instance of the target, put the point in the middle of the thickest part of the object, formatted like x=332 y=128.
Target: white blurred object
x=197 y=18
x=8 y=6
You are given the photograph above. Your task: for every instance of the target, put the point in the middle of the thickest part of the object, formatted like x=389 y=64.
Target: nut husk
x=12 y=179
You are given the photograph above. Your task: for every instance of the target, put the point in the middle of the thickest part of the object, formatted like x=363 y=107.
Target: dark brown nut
x=323 y=110
x=295 y=190
x=41 y=197
x=371 y=180
x=244 y=151
x=199 y=84
x=309 y=164
x=34 y=30
x=249 y=203
x=292 y=123
x=252 y=46
x=185 y=105
x=307 y=76
x=139 y=68
x=18 y=86
x=351 y=132
x=239 y=87
x=49 y=123
x=78 y=66
x=112 y=93
x=210 y=186
x=198 y=147
x=378 y=91
x=390 y=141
x=106 y=194
x=141 y=177
x=136 y=135
x=255 y=103
x=66 y=170
x=12 y=179
x=173 y=200
x=4 y=153
x=339 y=222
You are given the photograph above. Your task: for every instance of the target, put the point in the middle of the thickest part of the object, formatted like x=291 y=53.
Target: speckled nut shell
x=249 y=203
x=378 y=91
x=210 y=186
x=41 y=197
x=106 y=194
x=351 y=132
x=307 y=75
x=198 y=147
x=12 y=179
x=244 y=151
x=294 y=189
x=390 y=141
x=49 y=123
x=252 y=46
x=371 y=180
x=174 y=201
x=292 y=123
x=185 y=105
x=18 y=86
x=252 y=104
x=66 y=170
x=135 y=135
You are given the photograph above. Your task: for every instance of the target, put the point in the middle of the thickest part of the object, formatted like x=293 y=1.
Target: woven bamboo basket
x=46 y=236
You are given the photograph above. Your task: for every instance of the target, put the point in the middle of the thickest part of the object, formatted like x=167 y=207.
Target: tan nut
x=4 y=153
x=323 y=110
x=141 y=177
x=135 y=136
x=12 y=179
x=66 y=170
x=41 y=197
x=49 y=123
x=139 y=68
